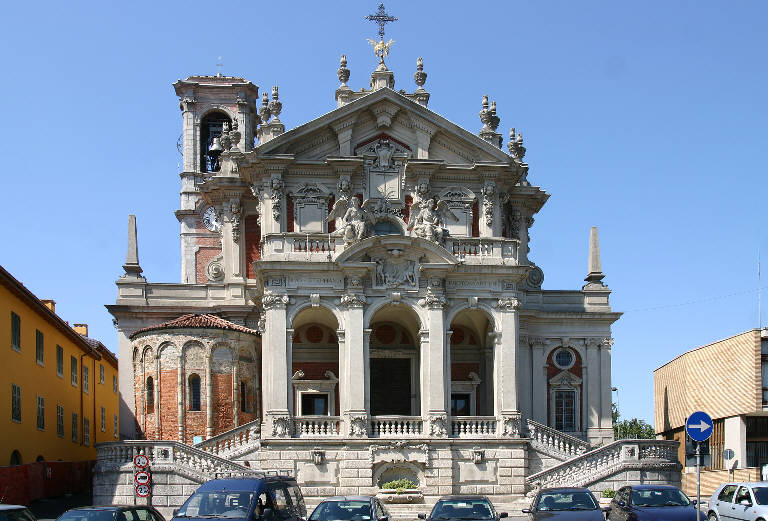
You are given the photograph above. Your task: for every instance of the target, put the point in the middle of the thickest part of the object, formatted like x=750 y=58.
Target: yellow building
x=59 y=392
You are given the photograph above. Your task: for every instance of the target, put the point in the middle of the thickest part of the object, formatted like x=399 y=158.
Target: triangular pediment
x=342 y=131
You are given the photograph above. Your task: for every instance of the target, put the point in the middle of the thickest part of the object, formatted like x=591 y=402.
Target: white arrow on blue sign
x=699 y=426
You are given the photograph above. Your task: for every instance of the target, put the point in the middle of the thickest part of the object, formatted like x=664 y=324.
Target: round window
x=564 y=358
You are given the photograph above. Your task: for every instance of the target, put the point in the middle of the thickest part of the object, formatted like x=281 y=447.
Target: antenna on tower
x=219 y=64
x=759 y=294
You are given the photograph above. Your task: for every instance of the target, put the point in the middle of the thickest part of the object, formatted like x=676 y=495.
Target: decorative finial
x=264 y=112
x=485 y=115
x=380 y=48
x=382 y=18
x=595 y=275
x=515 y=145
x=494 y=119
x=275 y=106
x=131 y=266
x=420 y=77
x=343 y=72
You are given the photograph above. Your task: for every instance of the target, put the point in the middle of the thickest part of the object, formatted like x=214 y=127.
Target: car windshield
x=659 y=497
x=342 y=511
x=761 y=495
x=16 y=514
x=230 y=503
x=576 y=500
x=90 y=515
x=462 y=509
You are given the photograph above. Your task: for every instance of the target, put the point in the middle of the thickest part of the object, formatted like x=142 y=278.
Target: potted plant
x=606 y=496
x=400 y=491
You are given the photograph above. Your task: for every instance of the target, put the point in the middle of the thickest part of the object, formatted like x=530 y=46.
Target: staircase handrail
x=213 y=440
x=579 y=446
x=605 y=459
x=154 y=445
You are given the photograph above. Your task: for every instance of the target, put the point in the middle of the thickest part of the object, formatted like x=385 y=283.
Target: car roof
x=565 y=489
x=464 y=496
x=749 y=483
x=242 y=483
x=653 y=487
x=347 y=498
x=110 y=507
x=11 y=507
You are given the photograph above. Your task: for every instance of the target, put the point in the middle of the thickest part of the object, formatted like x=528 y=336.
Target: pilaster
x=538 y=388
x=592 y=381
x=507 y=351
x=180 y=394
x=275 y=366
x=354 y=359
x=208 y=396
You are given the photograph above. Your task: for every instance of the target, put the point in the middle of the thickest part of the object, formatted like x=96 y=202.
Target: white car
x=16 y=513
x=739 y=502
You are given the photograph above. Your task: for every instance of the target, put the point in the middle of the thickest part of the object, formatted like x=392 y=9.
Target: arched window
x=150 y=394
x=40 y=458
x=15 y=458
x=194 y=392
x=243 y=406
x=210 y=127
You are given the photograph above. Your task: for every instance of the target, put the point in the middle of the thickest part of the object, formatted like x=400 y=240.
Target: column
x=592 y=395
x=235 y=391
x=180 y=394
x=353 y=364
x=434 y=379
x=606 y=418
x=507 y=407
x=156 y=393
x=275 y=366
x=526 y=376
x=208 y=397
x=539 y=382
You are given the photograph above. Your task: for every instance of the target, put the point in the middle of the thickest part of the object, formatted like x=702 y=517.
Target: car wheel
x=712 y=516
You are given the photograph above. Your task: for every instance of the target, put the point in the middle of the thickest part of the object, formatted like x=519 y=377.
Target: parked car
x=565 y=504
x=16 y=513
x=112 y=513
x=739 y=501
x=259 y=496
x=652 y=503
x=350 y=508
x=463 y=507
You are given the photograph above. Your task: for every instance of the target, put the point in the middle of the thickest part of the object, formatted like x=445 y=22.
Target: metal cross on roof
x=381 y=17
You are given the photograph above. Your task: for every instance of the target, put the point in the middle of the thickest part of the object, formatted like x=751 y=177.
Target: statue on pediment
x=357 y=219
x=430 y=219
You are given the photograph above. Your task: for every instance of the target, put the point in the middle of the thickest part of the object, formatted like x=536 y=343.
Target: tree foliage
x=632 y=429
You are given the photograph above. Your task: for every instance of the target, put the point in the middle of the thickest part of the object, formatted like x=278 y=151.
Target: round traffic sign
x=141 y=461
x=699 y=426
x=142 y=490
x=142 y=477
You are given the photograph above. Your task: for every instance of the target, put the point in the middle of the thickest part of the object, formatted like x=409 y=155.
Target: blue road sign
x=699 y=426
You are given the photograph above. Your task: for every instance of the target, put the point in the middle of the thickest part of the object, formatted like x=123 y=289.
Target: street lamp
x=616 y=390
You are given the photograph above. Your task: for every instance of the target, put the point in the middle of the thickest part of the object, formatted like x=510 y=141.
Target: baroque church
x=358 y=304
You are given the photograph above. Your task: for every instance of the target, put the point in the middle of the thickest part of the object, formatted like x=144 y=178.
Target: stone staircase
x=234 y=443
x=553 y=443
x=595 y=468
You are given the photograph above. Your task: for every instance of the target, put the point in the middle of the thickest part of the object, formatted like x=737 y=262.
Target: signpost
x=699 y=428
x=142 y=479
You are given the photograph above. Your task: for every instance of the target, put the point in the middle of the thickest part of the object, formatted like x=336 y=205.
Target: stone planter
x=604 y=501
x=408 y=495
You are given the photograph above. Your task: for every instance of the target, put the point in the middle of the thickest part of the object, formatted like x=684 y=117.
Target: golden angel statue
x=380 y=48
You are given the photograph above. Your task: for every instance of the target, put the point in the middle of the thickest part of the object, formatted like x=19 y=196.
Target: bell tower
x=209 y=106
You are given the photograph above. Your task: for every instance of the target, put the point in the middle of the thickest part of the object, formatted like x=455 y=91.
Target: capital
x=272 y=300
x=353 y=300
x=509 y=304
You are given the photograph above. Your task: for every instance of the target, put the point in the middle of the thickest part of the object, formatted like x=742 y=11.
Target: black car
x=565 y=504
x=112 y=513
x=350 y=508
x=652 y=503
x=464 y=508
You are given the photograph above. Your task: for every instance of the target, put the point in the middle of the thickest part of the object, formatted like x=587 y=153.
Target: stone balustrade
x=593 y=466
x=312 y=246
x=235 y=442
x=554 y=442
x=115 y=454
x=396 y=426
x=480 y=250
x=473 y=426
x=316 y=426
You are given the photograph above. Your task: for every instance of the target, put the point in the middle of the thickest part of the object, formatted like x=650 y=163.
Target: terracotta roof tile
x=193 y=321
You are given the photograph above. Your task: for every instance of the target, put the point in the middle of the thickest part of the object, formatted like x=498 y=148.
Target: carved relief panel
x=310 y=207
x=461 y=202
x=383 y=168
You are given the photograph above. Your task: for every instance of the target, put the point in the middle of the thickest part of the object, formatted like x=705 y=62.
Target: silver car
x=739 y=502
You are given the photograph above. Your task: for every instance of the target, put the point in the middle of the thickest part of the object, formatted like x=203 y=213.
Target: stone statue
x=429 y=219
x=358 y=219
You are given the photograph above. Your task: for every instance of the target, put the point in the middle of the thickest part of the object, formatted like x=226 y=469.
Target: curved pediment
x=398 y=247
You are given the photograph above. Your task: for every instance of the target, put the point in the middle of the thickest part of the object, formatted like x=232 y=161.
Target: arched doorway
x=472 y=392
x=15 y=458
x=394 y=362
x=315 y=363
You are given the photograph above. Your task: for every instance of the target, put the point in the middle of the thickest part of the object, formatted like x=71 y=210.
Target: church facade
x=358 y=302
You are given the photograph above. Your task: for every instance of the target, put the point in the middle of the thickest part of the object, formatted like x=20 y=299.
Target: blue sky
x=647 y=119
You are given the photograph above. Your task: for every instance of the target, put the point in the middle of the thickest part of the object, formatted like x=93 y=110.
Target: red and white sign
x=141 y=461
x=142 y=490
x=142 y=477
